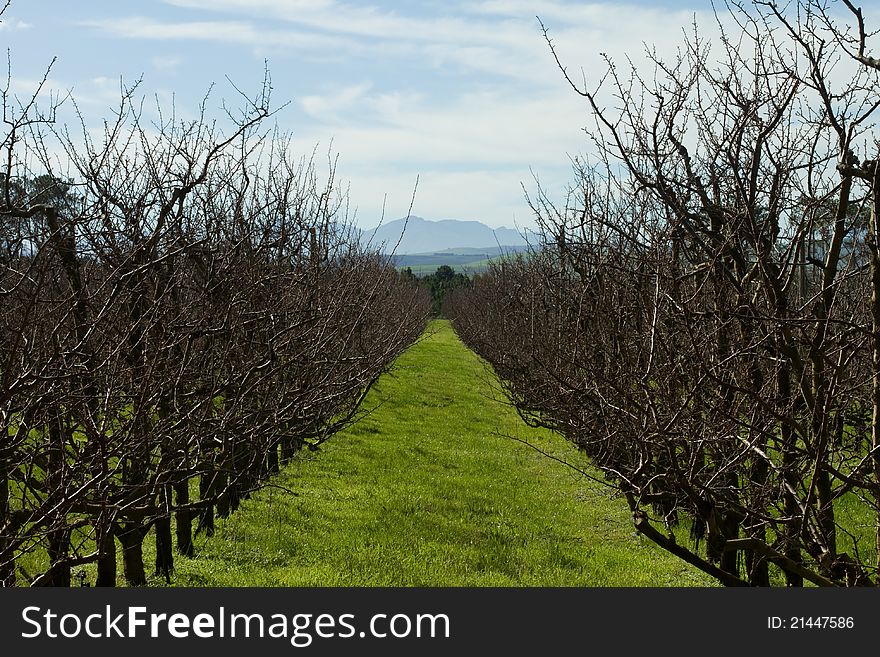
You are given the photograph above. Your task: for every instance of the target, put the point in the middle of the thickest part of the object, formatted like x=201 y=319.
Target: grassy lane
x=428 y=491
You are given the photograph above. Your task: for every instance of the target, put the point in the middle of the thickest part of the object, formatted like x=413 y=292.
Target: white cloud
x=13 y=24
x=166 y=62
x=240 y=32
x=483 y=194
x=499 y=37
x=346 y=18
x=24 y=86
x=472 y=153
x=481 y=101
x=327 y=107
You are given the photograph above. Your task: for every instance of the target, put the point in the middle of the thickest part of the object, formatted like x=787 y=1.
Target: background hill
x=428 y=237
x=466 y=246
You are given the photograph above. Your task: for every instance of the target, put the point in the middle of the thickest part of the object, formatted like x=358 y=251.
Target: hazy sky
x=463 y=94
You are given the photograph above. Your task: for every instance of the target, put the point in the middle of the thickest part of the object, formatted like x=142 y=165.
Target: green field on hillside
x=468 y=269
x=432 y=489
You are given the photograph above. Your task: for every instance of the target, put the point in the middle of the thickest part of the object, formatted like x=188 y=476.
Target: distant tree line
x=703 y=317
x=439 y=284
x=179 y=315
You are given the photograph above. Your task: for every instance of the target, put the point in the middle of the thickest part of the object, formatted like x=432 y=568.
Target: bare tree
x=700 y=319
x=190 y=304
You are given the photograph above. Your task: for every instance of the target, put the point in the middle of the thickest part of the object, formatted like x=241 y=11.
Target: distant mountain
x=431 y=237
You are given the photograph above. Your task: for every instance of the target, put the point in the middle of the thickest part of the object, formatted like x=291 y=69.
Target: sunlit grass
x=431 y=489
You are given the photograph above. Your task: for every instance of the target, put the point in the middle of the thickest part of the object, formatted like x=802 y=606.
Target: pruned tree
x=700 y=319
x=189 y=305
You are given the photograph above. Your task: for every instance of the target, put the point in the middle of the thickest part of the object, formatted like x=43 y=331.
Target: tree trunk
x=272 y=463
x=206 y=494
x=7 y=558
x=106 y=555
x=238 y=472
x=874 y=235
x=164 y=550
x=59 y=551
x=825 y=510
x=730 y=525
x=59 y=534
x=289 y=448
x=164 y=544
x=791 y=508
x=131 y=536
x=184 y=520
x=757 y=568
x=222 y=483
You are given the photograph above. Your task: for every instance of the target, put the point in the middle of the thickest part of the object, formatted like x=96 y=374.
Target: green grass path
x=431 y=490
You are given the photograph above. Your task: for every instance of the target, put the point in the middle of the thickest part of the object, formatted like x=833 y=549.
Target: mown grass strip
x=432 y=490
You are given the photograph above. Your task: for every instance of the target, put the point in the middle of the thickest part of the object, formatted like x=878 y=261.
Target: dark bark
x=59 y=534
x=106 y=555
x=206 y=494
x=730 y=524
x=7 y=560
x=272 y=462
x=131 y=536
x=183 y=518
x=289 y=448
x=59 y=551
x=164 y=549
x=757 y=567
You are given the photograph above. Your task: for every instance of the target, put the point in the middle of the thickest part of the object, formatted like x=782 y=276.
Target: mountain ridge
x=420 y=236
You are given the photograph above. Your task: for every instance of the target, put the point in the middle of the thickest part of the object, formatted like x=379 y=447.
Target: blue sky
x=464 y=95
